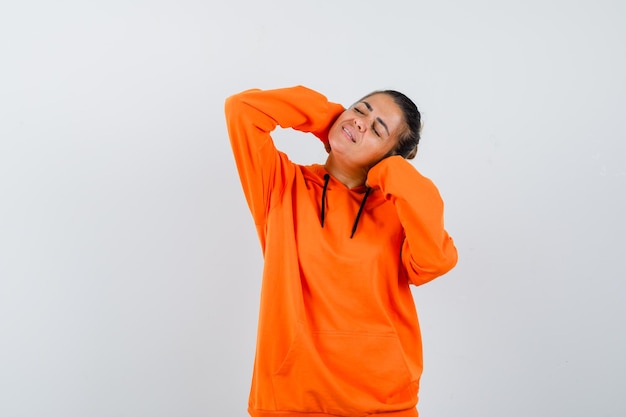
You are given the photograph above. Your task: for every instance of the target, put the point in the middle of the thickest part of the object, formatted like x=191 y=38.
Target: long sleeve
x=251 y=116
x=428 y=251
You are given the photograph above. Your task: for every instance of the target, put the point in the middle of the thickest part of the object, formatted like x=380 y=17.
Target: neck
x=349 y=176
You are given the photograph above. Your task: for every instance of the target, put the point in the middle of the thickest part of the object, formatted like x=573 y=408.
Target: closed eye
x=361 y=112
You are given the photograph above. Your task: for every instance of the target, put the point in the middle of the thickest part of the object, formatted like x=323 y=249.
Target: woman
x=338 y=332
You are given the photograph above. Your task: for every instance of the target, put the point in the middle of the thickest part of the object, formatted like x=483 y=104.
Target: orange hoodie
x=338 y=332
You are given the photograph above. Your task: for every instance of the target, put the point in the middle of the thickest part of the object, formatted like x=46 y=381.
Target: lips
x=349 y=133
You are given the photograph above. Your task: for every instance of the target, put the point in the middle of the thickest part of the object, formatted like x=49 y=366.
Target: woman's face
x=367 y=131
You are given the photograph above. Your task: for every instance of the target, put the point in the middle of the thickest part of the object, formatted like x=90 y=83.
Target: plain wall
x=129 y=264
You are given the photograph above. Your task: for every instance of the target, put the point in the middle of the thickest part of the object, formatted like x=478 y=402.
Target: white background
x=129 y=264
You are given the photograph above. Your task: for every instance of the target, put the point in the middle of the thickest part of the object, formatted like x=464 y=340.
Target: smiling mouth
x=349 y=134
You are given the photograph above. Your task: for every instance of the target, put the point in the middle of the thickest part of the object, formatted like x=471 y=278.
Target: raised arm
x=428 y=251
x=251 y=116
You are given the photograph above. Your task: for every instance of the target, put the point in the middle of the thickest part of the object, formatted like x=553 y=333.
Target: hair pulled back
x=409 y=137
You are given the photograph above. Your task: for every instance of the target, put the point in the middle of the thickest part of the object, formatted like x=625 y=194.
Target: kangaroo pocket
x=344 y=373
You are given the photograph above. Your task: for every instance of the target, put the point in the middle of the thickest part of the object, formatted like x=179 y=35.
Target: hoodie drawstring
x=358 y=215
x=326 y=179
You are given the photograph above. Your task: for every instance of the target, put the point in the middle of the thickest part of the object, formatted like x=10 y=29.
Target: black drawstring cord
x=358 y=215
x=326 y=179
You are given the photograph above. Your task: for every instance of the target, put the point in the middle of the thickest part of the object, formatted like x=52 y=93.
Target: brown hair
x=409 y=137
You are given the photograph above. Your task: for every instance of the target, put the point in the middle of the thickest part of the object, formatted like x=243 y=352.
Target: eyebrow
x=369 y=107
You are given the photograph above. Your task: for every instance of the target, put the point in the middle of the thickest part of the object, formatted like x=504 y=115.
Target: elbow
x=236 y=101
x=243 y=95
x=449 y=260
x=427 y=270
x=231 y=104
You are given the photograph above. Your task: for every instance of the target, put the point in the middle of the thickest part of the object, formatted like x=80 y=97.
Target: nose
x=359 y=123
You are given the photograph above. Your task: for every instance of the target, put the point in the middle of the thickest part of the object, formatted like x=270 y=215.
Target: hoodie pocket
x=344 y=373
